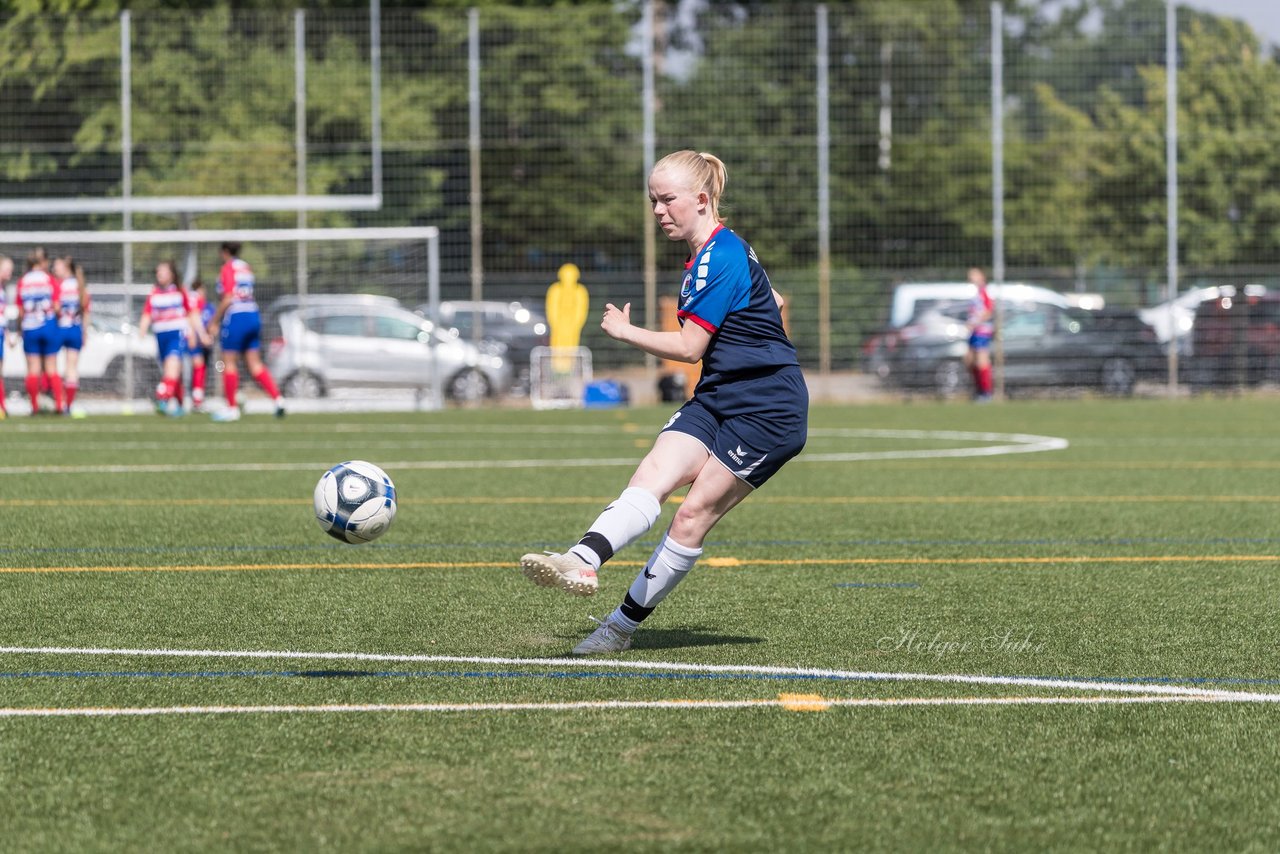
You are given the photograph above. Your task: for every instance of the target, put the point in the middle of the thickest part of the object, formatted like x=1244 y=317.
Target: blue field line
x=574 y=674
x=1043 y=541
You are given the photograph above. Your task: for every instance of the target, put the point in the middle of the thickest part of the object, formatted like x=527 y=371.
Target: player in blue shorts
x=199 y=351
x=241 y=330
x=37 y=296
x=168 y=312
x=748 y=415
x=981 y=330
x=73 y=310
x=6 y=273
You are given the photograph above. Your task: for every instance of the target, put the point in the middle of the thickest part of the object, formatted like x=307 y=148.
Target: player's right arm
x=227 y=289
x=145 y=323
x=686 y=345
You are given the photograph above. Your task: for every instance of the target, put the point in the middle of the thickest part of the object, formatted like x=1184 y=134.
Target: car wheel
x=1118 y=377
x=947 y=378
x=303 y=384
x=468 y=385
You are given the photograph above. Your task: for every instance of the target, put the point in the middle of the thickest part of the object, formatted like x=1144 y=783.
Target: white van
x=914 y=297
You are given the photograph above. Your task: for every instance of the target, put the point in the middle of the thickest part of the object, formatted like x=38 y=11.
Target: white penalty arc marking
x=674 y=666
x=811 y=705
x=1006 y=443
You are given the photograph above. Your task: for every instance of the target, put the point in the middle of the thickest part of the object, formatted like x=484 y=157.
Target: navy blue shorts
x=72 y=336
x=241 y=332
x=979 y=342
x=172 y=342
x=753 y=444
x=44 y=340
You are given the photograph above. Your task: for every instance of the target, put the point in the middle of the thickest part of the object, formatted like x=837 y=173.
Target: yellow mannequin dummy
x=567 y=305
x=567 y=308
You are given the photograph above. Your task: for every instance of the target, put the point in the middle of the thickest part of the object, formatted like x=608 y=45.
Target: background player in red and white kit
x=73 y=311
x=199 y=352
x=748 y=415
x=167 y=311
x=37 y=297
x=981 y=330
x=240 y=332
x=6 y=273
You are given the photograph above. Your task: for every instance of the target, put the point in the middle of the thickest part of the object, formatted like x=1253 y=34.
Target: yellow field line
x=583 y=499
x=718 y=562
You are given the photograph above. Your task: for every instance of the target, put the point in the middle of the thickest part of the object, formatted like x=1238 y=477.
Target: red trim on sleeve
x=227 y=278
x=686 y=315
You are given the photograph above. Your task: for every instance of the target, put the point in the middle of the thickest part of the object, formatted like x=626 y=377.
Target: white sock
x=624 y=521
x=667 y=567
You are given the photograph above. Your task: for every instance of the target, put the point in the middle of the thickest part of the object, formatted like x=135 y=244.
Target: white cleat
x=568 y=572
x=231 y=413
x=607 y=637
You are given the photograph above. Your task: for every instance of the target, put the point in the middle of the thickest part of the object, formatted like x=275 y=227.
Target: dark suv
x=1044 y=345
x=1236 y=339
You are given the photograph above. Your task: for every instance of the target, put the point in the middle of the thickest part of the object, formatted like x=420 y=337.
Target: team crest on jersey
x=685 y=291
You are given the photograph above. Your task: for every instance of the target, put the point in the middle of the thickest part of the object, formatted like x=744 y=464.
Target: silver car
x=368 y=343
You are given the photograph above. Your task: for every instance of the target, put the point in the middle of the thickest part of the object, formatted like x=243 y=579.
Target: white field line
x=315 y=466
x=326 y=428
x=1008 y=443
x=607 y=705
x=674 y=666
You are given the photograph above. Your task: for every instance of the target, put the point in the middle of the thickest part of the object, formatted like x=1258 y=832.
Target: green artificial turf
x=1143 y=554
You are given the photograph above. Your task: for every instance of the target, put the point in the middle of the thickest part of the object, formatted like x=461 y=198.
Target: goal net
x=301 y=275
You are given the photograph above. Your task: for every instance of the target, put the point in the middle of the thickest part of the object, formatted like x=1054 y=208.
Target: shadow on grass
x=678 y=638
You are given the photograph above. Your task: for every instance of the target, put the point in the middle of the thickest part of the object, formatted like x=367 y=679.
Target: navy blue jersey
x=727 y=293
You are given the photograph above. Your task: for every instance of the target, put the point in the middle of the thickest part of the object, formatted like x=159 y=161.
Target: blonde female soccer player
x=747 y=417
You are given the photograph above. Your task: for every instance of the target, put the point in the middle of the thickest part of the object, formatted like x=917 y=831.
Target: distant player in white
x=747 y=417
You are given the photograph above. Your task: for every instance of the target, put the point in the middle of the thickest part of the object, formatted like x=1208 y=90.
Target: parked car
x=291 y=302
x=108 y=342
x=369 y=343
x=1236 y=339
x=916 y=298
x=518 y=328
x=1044 y=344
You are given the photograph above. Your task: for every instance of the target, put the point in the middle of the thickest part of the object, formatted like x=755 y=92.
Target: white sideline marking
x=1012 y=443
x=675 y=666
x=147 y=711
x=315 y=466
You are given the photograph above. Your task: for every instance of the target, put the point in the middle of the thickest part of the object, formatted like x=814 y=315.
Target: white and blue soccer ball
x=355 y=502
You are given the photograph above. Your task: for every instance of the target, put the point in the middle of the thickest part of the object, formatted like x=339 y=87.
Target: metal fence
x=868 y=144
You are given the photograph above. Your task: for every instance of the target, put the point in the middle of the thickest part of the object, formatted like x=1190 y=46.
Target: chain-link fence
x=859 y=139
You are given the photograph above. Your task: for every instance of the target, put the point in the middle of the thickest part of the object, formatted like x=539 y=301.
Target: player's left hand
x=616 y=320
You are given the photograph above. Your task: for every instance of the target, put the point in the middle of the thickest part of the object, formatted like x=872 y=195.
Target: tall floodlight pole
x=375 y=96
x=300 y=133
x=824 y=195
x=1171 y=178
x=997 y=181
x=473 y=145
x=648 y=108
x=126 y=179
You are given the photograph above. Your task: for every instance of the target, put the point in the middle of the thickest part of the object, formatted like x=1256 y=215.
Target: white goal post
x=400 y=262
